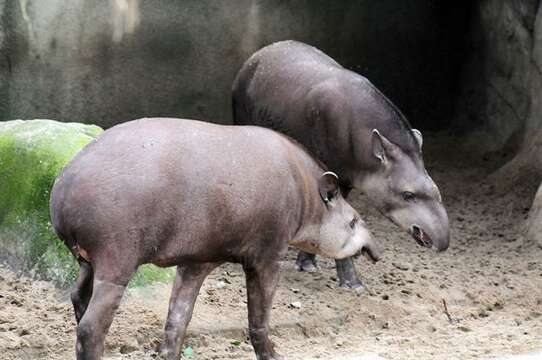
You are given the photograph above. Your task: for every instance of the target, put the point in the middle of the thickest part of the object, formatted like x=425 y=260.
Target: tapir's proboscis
x=195 y=195
x=347 y=123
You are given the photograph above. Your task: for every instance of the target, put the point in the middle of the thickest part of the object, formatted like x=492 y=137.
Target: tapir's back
x=296 y=89
x=153 y=179
x=287 y=68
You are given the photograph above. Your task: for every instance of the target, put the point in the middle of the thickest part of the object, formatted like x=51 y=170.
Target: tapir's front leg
x=181 y=304
x=346 y=272
x=261 y=284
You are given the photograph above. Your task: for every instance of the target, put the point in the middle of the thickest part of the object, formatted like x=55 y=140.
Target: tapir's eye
x=353 y=222
x=408 y=196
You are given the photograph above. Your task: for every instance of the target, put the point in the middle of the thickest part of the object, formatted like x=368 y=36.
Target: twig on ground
x=447 y=312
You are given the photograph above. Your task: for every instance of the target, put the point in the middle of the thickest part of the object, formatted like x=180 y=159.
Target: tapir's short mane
x=309 y=154
x=402 y=125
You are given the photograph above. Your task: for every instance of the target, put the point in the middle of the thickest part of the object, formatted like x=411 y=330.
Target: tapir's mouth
x=369 y=254
x=420 y=236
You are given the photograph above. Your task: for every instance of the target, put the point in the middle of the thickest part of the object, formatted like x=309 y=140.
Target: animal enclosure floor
x=490 y=279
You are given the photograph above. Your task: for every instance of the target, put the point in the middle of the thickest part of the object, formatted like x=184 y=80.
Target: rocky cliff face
x=496 y=93
x=113 y=61
x=501 y=100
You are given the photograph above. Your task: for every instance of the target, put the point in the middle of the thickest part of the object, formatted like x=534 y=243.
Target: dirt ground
x=490 y=279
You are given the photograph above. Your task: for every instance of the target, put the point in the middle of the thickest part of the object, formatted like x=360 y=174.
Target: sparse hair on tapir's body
x=348 y=124
x=195 y=195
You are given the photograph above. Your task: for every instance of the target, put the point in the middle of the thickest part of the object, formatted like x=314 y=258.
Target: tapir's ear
x=418 y=136
x=381 y=146
x=328 y=185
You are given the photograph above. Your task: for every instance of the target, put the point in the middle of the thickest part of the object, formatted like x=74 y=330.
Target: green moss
x=32 y=155
x=148 y=274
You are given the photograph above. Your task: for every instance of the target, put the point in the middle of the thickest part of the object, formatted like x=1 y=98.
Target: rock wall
x=494 y=107
x=501 y=102
x=106 y=62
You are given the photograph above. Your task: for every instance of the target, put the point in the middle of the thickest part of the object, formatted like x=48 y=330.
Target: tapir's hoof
x=276 y=356
x=356 y=286
x=307 y=265
x=270 y=355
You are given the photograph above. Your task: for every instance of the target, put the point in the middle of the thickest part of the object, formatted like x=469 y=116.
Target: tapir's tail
x=82 y=289
x=56 y=218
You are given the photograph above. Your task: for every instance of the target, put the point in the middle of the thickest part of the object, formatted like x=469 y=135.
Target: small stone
x=295 y=305
x=403 y=267
x=129 y=345
x=16 y=302
x=385 y=297
x=464 y=329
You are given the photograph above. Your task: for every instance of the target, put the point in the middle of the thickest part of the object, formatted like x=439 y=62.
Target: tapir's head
x=404 y=192
x=340 y=231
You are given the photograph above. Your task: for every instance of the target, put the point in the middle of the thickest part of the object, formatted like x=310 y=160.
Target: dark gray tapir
x=353 y=128
x=193 y=194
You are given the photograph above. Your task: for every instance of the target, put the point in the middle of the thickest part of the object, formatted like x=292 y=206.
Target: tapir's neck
x=309 y=210
x=311 y=213
x=305 y=239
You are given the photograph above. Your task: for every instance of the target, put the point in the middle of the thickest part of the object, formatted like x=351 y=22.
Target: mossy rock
x=32 y=155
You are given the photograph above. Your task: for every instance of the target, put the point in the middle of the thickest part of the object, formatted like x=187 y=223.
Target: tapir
x=191 y=194
x=347 y=123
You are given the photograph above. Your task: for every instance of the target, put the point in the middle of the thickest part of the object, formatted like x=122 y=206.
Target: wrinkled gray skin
x=353 y=128
x=194 y=194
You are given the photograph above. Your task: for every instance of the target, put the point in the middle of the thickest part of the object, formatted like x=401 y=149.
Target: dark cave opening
x=420 y=65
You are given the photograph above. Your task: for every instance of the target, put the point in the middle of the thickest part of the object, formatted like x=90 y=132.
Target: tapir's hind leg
x=306 y=262
x=107 y=289
x=183 y=296
x=82 y=290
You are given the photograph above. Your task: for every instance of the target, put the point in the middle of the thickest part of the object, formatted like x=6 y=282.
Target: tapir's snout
x=427 y=223
x=370 y=248
x=443 y=242
x=437 y=239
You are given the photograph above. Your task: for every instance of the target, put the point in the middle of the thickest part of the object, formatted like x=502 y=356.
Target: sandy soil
x=490 y=279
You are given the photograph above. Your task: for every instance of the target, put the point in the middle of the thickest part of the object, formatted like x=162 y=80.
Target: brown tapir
x=195 y=195
x=353 y=128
